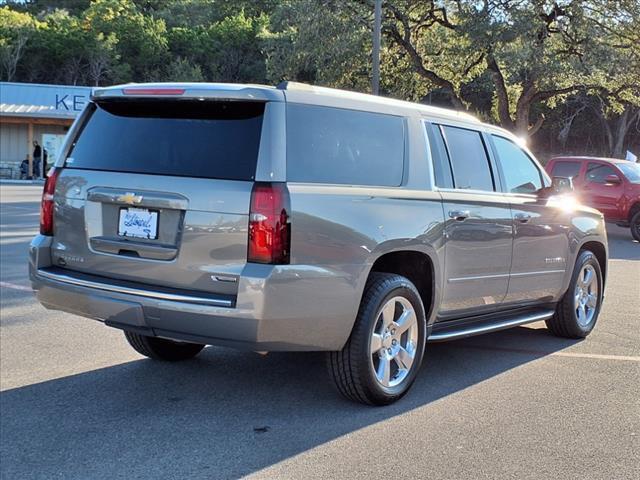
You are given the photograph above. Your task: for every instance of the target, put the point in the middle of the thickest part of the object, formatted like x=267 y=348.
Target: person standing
x=37 y=159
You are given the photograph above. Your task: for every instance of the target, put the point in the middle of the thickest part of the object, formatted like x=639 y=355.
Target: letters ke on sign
x=70 y=103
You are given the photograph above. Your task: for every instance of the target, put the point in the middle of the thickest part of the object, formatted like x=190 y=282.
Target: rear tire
x=382 y=357
x=578 y=311
x=162 y=349
x=635 y=226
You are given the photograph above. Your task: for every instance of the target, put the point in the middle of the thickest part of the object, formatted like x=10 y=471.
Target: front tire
x=382 y=357
x=635 y=226
x=162 y=349
x=577 y=312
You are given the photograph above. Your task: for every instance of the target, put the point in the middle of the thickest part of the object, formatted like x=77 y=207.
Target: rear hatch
x=156 y=192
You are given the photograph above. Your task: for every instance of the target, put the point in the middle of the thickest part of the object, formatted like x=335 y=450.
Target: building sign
x=44 y=100
x=70 y=103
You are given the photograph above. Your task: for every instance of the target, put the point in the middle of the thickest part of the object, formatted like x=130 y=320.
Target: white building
x=33 y=112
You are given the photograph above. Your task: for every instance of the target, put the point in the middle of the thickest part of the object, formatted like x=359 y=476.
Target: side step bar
x=463 y=331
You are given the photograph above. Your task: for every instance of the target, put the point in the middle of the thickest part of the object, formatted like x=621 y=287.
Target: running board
x=463 y=331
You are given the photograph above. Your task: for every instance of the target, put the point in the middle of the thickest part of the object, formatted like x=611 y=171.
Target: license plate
x=138 y=223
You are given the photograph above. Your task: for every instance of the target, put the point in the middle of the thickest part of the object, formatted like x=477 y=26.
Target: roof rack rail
x=289 y=85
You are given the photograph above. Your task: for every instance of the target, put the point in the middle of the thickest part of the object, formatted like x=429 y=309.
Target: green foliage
x=141 y=40
x=235 y=49
x=16 y=31
x=524 y=64
x=227 y=50
x=318 y=42
x=182 y=70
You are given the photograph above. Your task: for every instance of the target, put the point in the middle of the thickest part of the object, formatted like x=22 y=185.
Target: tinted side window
x=168 y=137
x=597 y=172
x=566 y=169
x=520 y=173
x=441 y=166
x=332 y=145
x=469 y=160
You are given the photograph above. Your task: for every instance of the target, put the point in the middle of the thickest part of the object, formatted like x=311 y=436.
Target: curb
x=21 y=182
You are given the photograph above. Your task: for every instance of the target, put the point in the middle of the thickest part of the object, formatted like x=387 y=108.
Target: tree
x=524 y=64
x=140 y=41
x=324 y=42
x=437 y=50
x=617 y=49
x=182 y=70
x=15 y=31
x=224 y=51
x=103 y=57
x=235 y=49
x=61 y=50
x=535 y=51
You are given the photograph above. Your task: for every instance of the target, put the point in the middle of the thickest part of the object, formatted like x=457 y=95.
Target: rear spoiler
x=216 y=91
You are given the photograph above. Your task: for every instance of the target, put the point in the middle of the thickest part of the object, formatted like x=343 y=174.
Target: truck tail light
x=269 y=225
x=46 y=206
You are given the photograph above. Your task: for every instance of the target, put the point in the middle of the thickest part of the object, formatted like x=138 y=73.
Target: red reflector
x=153 y=91
x=46 y=206
x=269 y=226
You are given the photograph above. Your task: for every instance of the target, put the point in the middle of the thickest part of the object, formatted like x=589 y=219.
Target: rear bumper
x=286 y=308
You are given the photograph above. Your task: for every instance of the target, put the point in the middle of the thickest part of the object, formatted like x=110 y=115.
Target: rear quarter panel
x=339 y=232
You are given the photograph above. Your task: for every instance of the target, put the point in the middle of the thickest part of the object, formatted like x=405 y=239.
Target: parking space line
x=541 y=353
x=597 y=356
x=15 y=286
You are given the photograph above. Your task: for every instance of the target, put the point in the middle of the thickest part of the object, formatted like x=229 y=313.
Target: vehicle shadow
x=224 y=414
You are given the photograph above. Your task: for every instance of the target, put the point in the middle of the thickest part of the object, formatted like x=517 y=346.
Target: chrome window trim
x=473 y=192
x=363 y=190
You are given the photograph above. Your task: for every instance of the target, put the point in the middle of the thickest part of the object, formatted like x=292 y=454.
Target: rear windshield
x=179 y=138
x=566 y=169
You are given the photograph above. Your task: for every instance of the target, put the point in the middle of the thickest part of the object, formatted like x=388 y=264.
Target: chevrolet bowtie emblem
x=130 y=198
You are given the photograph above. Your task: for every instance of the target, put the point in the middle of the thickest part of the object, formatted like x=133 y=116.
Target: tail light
x=153 y=91
x=46 y=206
x=269 y=226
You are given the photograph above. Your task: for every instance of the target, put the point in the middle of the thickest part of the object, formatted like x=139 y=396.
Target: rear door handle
x=459 y=215
x=522 y=217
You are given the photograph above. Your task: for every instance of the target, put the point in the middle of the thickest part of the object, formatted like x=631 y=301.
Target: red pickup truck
x=609 y=185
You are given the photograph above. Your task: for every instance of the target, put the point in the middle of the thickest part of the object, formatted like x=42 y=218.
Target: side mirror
x=612 y=179
x=561 y=185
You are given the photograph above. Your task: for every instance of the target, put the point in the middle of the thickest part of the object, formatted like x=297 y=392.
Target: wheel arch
x=412 y=264
x=635 y=208
x=600 y=251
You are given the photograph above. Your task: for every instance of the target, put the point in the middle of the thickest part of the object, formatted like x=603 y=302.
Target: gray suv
x=305 y=218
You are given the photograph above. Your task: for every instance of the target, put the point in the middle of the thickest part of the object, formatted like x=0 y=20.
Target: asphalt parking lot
x=77 y=402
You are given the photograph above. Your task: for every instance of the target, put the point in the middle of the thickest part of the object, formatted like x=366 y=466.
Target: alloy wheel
x=394 y=342
x=586 y=295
